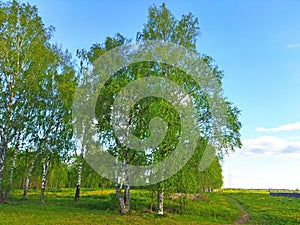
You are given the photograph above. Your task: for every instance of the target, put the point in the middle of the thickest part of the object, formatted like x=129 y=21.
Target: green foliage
x=189 y=180
x=62 y=174
x=162 y=25
x=37 y=85
x=37 y=82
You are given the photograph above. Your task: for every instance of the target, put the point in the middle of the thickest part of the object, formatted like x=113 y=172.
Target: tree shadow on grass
x=109 y=203
x=97 y=202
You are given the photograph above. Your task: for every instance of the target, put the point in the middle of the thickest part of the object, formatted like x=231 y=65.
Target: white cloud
x=293 y=46
x=271 y=146
x=285 y=127
x=293 y=138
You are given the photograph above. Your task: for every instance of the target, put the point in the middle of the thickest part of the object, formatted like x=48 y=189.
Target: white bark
x=127 y=188
x=13 y=166
x=26 y=187
x=2 y=160
x=43 y=186
x=118 y=191
x=160 y=203
x=78 y=185
x=82 y=154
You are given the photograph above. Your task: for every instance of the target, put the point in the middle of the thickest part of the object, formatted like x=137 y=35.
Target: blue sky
x=256 y=43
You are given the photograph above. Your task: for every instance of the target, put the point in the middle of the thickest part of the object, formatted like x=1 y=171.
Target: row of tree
x=38 y=81
x=62 y=174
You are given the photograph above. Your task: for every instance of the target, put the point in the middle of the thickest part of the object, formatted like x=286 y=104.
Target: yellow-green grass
x=266 y=209
x=100 y=207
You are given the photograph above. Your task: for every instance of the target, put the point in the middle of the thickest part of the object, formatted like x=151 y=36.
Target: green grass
x=100 y=207
x=266 y=209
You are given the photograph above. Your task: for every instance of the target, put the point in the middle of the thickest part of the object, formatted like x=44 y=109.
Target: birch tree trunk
x=12 y=169
x=26 y=186
x=127 y=182
x=13 y=166
x=122 y=200
x=123 y=209
x=77 y=193
x=82 y=154
x=160 y=201
x=43 y=186
x=2 y=160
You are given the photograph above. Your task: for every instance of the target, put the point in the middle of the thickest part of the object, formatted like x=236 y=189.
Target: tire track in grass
x=244 y=218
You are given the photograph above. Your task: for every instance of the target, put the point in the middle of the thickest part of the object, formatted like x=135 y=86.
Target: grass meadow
x=266 y=209
x=98 y=206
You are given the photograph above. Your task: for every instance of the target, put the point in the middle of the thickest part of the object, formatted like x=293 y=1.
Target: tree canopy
x=37 y=82
x=145 y=100
x=161 y=26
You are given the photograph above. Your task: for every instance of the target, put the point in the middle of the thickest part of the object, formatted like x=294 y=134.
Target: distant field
x=100 y=207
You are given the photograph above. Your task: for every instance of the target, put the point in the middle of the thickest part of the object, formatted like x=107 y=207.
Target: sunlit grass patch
x=266 y=209
x=99 y=206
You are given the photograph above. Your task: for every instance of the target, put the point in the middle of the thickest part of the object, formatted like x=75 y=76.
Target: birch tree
x=162 y=25
x=104 y=127
x=23 y=42
x=36 y=81
x=53 y=139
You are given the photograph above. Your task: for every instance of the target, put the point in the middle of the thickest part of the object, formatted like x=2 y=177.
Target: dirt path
x=244 y=218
